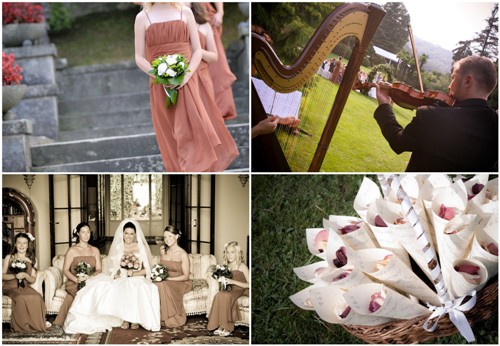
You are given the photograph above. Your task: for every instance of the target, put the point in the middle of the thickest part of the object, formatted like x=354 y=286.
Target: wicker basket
x=412 y=331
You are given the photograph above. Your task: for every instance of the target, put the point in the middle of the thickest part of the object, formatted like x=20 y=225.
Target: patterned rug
x=194 y=332
x=52 y=337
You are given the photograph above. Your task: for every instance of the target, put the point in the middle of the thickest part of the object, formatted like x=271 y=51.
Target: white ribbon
x=455 y=310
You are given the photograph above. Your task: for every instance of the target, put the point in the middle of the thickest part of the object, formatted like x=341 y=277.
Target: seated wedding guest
x=82 y=251
x=224 y=311
x=461 y=138
x=28 y=307
x=172 y=290
x=125 y=297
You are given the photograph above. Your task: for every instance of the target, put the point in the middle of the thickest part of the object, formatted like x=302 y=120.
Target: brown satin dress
x=28 y=307
x=185 y=134
x=71 y=288
x=225 y=310
x=171 y=294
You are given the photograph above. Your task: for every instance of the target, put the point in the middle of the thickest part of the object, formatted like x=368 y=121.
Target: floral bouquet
x=83 y=269
x=169 y=70
x=17 y=266
x=129 y=261
x=365 y=277
x=220 y=272
x=159 y=273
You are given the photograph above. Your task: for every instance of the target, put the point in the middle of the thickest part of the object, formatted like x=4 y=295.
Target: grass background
x=283 y=206
x=108 y=37
x=357 y=144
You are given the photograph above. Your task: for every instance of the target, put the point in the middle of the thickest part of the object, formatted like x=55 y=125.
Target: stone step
x=108 y=131
x=148 y=163
x=109 y=148
x=134 y=116
x=104 y=104
x=84 y=82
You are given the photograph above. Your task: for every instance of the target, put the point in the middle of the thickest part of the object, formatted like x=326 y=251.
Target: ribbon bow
x=455 y=310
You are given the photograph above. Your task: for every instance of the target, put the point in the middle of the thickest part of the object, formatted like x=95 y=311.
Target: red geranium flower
x=11 y=72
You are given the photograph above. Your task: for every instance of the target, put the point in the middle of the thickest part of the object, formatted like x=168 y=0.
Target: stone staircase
x=105 y=123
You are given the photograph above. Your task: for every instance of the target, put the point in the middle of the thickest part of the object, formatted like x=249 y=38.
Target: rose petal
x=321 y=240
x=446 y=213
x=467 y=268
x=379 y=222
x=345 y=313
x=348 y=228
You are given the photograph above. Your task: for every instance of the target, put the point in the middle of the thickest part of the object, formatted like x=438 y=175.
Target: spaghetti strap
x=148 y=17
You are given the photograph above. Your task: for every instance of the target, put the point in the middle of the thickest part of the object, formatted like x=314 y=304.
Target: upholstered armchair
x=195 y=301
x=243 y=303
x=7 y=302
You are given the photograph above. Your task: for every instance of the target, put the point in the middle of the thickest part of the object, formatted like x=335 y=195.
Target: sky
x=446 y=22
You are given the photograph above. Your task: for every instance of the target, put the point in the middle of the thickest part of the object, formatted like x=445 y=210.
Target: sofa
x=195 y=301
x=7 y=302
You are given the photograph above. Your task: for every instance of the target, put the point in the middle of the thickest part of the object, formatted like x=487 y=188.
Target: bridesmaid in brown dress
x=221 y=73
x=172 y=290
x=224 y=311
x=82 y=251
x=228 y=151
x=28 y=307
x=185 y=134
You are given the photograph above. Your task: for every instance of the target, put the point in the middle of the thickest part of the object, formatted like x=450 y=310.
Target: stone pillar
x=39 y=104
x=15 y=145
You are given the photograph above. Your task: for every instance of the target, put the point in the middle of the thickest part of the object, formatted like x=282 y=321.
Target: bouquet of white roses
x=83 y=269
x=220 y=272
x=169 y=70
x=17 y=266
x=159 y=273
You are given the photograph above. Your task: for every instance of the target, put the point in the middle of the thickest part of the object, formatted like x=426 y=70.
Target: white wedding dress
x=105 y=302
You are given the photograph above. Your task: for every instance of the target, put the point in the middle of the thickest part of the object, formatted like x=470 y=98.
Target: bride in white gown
x=118 y=296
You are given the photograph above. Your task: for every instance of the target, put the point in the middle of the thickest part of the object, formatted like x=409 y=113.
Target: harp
x=348 y=20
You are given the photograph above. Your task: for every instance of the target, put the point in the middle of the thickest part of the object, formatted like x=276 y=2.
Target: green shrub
x=60 y=18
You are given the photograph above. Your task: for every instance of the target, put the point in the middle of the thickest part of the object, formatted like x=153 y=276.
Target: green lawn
x=357 y=144
x=283 y=206
x=101 y=38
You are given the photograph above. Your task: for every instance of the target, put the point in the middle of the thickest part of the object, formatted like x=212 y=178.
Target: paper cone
x=396 y=274
x=395 y=305
x=385 y=236
x=329 y=304
x=479 y=253
x=312 y=236
x=355 y=277
x=312 y=272
x=303 y=299
x=459 y=286
x=362 y=238
x=368 y=193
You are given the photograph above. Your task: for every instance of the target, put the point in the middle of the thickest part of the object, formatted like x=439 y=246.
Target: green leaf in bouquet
x=177 y=80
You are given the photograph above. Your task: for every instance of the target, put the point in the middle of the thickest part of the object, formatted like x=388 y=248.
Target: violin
x=409 y=98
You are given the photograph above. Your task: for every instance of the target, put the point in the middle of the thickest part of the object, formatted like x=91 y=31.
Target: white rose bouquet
x=169 y=70
x=159 y=273
x=17 y=266
x=83 y=269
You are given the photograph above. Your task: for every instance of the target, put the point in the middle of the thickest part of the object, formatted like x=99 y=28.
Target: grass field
x=283 y=206
x=107 y=37
x=357 y=144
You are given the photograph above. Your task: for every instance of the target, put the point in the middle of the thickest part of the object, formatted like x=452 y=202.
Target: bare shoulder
x=186 y=11
x=141 y=18
x=95 y=251
x=243 y=267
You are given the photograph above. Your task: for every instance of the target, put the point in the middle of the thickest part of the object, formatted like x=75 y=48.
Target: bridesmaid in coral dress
x=224 y=311
x=82 y=251
x=28 y=307
x=221 y=73
x=227 y=151
x=185 y=134
x=172 y=290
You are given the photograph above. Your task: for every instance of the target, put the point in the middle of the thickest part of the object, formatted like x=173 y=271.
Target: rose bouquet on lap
x=169 y=70
x=83 y=269
x=221 y=272
x=18 y=266
x=159 y=273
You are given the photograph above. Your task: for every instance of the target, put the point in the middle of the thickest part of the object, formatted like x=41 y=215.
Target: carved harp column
x=352 y=19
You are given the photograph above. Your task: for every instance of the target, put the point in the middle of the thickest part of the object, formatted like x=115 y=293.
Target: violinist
x=461 y=138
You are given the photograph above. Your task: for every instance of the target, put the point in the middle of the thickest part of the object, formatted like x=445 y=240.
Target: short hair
x=481 y=68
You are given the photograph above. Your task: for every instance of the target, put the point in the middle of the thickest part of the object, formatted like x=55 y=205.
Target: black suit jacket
x=462 y=138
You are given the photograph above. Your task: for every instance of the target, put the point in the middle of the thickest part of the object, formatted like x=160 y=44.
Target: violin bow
x=415 y=56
